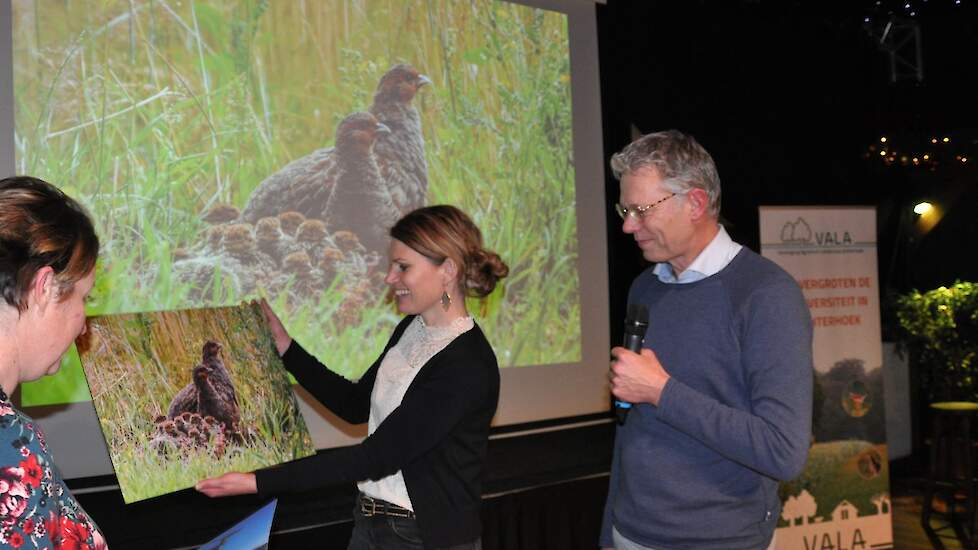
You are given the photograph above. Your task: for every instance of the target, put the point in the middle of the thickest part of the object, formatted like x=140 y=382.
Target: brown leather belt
x=370 y=506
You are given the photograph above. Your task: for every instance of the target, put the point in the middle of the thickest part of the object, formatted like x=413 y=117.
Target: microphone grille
x=637 y=314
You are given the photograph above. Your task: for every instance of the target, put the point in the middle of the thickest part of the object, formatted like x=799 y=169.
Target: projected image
x=240 y=148
x=186 y=395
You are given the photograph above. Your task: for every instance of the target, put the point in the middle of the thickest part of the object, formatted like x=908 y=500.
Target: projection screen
x=182 y=126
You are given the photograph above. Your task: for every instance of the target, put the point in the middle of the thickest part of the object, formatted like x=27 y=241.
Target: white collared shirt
x=710 y=261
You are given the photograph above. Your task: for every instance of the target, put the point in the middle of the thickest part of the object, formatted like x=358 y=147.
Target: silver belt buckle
x=399 y=512
x=368 y=511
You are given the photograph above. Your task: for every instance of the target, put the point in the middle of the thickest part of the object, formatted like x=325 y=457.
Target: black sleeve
x=348 y=400
x=453 y=385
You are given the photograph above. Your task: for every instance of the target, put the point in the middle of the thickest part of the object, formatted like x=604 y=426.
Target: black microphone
x=636 y=322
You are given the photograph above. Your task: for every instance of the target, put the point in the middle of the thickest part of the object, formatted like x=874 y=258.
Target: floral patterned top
x=36 y=509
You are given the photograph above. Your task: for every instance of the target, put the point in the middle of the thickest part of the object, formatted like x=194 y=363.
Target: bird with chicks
x=306 y=184
x=324 y=215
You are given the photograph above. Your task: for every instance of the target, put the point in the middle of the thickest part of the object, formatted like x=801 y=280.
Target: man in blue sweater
x=722 y=390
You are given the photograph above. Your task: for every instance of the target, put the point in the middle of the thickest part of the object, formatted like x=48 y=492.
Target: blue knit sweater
x=700 y=470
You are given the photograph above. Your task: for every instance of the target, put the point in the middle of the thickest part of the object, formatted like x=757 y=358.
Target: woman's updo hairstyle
x=443 y=231
x=41 y=226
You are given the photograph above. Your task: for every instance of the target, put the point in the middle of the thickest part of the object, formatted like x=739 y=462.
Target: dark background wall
x=788 y=97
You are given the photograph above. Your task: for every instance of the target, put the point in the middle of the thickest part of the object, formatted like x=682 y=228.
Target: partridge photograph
x=186 y=395
x=242 y=148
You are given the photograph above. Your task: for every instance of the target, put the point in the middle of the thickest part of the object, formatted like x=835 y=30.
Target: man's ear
x=699 y=203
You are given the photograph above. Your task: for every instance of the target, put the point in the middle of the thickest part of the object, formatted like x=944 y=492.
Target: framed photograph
x=190 y=394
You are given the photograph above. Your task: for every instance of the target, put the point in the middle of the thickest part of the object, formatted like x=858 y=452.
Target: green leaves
x=940 y=329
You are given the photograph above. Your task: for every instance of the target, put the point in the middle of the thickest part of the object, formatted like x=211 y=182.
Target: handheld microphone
x=636 y=322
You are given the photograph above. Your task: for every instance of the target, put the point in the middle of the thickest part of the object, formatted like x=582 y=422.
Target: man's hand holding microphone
x=636 y=374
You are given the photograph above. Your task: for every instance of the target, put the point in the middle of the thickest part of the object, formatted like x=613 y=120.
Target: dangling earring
x=446 y=300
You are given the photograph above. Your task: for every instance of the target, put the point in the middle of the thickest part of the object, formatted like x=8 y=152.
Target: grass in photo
x=190 y=394
x=176 y=125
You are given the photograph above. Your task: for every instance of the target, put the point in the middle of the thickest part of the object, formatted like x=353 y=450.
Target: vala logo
x=799 y=232
x=832 y=238
x=796 y=232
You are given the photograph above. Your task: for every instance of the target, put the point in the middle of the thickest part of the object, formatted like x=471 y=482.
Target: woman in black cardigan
x=428 y=399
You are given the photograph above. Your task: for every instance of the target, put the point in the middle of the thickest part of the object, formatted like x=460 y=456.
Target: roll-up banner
x=842 y=500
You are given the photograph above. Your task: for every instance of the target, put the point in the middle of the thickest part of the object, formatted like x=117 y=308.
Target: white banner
x=842 y=500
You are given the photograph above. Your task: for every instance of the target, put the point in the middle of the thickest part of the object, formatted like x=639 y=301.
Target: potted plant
x=940 y=332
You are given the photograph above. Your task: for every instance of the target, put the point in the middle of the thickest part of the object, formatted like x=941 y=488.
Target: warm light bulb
x=883 y=139
x=883 y=153
x=922 y=208
x=933 y=140
x=945 y=140
x=964 y=159
x=926 y=157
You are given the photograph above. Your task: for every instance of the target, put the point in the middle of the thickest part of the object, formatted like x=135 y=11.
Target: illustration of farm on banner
x=186 y=395
x=847 y=529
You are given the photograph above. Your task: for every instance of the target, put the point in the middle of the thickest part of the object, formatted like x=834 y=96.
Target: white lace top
x=417 y=345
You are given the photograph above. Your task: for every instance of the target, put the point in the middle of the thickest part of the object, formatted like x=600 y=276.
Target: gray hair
x=681 y=162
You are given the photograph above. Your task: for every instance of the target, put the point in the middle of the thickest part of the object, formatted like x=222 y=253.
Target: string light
x=906 y=150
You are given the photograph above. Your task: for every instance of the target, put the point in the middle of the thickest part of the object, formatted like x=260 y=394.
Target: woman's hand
x=229 y=484
x=279 y=334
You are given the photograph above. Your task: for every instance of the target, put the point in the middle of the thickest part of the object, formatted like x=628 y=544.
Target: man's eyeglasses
x=640 y=212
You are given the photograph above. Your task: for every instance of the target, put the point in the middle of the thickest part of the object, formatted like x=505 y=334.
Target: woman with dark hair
x=48 y=250
x=428 y=399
